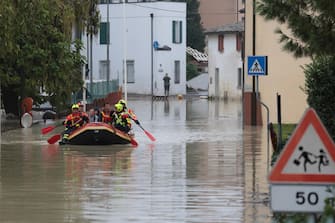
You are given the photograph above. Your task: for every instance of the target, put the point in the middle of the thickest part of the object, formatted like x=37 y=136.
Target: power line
x=134 y=17
x=214 y=13
x=149 y=7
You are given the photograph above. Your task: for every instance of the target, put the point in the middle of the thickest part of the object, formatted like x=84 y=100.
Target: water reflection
x=202 y=168
x=166 y=107
x=50 y=184
x=215 y=182
x=256 y=187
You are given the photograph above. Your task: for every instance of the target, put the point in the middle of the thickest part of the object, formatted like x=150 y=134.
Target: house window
x=176 y=31
x=239 y=78
x=103 y=69
x=104 y=33
x=238 y=42
x=130 y=71
x=220 y=43
x=176 y=71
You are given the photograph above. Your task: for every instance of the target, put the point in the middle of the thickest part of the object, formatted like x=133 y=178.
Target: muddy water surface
x=203 y=168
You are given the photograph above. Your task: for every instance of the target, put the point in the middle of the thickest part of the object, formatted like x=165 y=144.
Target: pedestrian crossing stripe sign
x=257 y=65
x=309 y=155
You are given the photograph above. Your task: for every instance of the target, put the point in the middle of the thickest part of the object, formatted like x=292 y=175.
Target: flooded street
x=203 y=167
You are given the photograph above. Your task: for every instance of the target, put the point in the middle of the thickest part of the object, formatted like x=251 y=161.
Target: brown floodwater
x=203 y=167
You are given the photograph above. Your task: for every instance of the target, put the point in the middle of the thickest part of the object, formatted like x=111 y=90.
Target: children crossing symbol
x=311 y=159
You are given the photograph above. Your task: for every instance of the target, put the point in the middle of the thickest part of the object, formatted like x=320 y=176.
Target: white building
x=224 y=61
x=152 y=38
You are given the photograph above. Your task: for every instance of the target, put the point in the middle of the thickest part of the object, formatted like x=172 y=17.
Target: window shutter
x=180 y=31
x=220 y=43
x=238 y=42
x=177 y=29
x=177 y=71
x=103 y=33
x=174 y=31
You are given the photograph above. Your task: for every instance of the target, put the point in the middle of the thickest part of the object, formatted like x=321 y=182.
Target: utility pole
x=108 y=32
x=125 y=50
x=152 y=54
x=253 y=98
x=91 y=54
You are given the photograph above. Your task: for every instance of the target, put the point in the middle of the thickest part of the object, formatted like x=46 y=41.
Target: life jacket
x=106 y=118
x=123 y=119
x=72 y=120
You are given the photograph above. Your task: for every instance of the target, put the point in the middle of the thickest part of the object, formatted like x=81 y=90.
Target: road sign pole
x=257 y=65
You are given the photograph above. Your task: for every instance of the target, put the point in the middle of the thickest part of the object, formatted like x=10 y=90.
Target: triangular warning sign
x=309 y=156
x=256 y=67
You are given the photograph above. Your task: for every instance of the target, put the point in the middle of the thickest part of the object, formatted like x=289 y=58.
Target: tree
x=191 y=71
x=37 y=52
x=195 y=32
x=86 y=16
x=311 y=23
x=312 y=33
x=319 y=86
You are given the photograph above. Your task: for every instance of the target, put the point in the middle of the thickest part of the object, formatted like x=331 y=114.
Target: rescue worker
x=128 y=111
x=72 y=122
x=106 y=114
x=122 y=120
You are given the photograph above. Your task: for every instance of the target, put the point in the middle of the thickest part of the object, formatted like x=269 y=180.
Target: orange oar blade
x=151 y=137
x=54 y=139
x=47 y=129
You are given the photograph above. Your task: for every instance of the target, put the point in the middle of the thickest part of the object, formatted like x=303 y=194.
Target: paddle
x=48 y=129
x=54 y=139
x=151 y=137
x=134 y=118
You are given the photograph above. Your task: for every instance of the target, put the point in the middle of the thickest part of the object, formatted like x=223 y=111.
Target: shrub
x=319 y=86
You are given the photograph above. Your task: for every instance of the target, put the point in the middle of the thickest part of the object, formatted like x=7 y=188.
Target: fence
x=97 y=90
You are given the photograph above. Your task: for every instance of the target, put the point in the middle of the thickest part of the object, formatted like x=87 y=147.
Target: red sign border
x=310 y=118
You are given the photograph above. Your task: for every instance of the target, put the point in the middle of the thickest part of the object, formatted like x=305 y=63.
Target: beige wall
x=215 y=13
x=285 y=75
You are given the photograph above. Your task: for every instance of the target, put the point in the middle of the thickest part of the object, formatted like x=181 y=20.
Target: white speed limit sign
x=299 y=198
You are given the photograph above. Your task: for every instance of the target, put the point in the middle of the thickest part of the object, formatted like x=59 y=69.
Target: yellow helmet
x=122 y=102
x=75 y=106
x=118 y=107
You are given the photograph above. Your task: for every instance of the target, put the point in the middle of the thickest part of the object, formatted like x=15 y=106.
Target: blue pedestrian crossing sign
x=257 y=65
